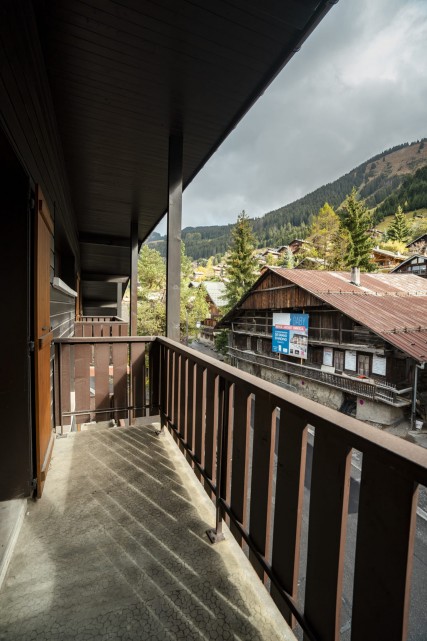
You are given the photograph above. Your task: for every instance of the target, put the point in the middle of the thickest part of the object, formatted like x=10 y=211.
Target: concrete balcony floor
x=116 y=549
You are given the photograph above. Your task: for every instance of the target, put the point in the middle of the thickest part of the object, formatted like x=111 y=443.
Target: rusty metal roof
x=393 y=306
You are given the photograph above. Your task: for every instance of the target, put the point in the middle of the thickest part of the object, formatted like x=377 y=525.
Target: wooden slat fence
x=246 y=440
x=102 y=378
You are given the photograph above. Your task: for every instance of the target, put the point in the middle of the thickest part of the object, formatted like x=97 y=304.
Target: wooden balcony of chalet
x=118 y=542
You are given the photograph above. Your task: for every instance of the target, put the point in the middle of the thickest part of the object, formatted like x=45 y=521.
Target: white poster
x=328 y=354
x=379 y=365
x=350 y=360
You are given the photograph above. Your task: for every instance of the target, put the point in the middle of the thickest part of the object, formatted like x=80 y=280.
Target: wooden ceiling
x=125 y=74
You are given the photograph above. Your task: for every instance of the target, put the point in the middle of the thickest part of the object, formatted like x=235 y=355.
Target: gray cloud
x=358 y=86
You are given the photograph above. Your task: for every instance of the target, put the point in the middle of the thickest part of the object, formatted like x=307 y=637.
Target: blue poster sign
x=290 y=334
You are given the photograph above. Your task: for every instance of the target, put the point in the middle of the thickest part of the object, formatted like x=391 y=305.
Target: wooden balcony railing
x=359 y=335
x=103 y=378
x=101 y=326
x=246 y=440
x=383 y=392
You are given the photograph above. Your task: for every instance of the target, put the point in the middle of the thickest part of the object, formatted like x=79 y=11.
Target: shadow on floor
x=117 y=550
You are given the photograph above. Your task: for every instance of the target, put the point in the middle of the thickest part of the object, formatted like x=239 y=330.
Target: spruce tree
x=240 y=265
x=399 y=228
x=357 y=221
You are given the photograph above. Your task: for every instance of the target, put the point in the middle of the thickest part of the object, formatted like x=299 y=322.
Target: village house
x=216 y=298
x=385 y=260
x=415 y=264
x=365 y=344
x=419 y=244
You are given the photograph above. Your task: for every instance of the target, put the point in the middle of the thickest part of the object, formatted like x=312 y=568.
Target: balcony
x=375 y=391
x=122 y=541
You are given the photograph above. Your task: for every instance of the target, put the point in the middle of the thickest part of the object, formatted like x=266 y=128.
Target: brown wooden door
x=43 y=338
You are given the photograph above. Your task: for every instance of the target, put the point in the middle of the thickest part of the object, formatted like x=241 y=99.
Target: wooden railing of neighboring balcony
x=100 y=326
x=214 y=411
x=375 y=391
x=104 y=377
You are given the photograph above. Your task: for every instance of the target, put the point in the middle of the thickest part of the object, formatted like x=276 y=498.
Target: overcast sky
x=357 y=86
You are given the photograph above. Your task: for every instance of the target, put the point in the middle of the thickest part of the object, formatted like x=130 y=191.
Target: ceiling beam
x=92 y=277
x=106 y=240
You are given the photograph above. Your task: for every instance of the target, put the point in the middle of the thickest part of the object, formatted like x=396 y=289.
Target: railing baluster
x=102 y=380
x=65 y=380
x=199 y=436
x=82 y=360
x=384 y=552
x=240 y=459
x=211 y=424
x=191 y=398
x=291 y=462
x=262 y=476
x=120 y=364
x=182 y=427
x=154 y=378
x=330 y=485
x=138 y=374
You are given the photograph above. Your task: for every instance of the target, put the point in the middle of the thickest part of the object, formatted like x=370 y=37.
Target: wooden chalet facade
x=362 y=343
x=416 y=264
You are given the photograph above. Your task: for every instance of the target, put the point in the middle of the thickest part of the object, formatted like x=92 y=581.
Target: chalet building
x=108 y=109
x=419 y=244
x=386 y=260
x=365 y=340
x=415 y=264
x=216 y=298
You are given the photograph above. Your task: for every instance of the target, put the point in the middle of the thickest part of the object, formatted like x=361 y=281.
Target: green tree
x=152 y=295
x=327 y=237
x=399 y=228
x=287 y=260
x=240 y=264
x=356 y=219
x=151 y=270
x=151 y=315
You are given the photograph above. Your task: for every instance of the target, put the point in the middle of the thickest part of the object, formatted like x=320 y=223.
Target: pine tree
x=357 y=221
x=399 y=228
x=240 y=265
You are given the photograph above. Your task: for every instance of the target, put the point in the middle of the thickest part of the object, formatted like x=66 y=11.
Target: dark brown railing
x=262 y=327
x=98 y=326
x=247 y=439
x=104 y=378
x=375 y=391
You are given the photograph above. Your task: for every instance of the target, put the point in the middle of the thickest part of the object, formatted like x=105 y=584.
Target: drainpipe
x=414 y=395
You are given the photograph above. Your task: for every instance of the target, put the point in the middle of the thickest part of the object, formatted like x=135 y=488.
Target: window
x=339 y=360
x=363 y=364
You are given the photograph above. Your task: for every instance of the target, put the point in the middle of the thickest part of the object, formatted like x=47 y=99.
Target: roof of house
x=386 y=252
x=393 y=306
x=408 y=260
x=216 y=292
x=421 y=238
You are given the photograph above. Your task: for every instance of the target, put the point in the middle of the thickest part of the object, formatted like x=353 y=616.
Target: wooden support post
x=133 y=278
x=173 y=270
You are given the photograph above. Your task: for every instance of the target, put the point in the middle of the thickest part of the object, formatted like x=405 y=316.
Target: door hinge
x=31 y=346
x=33 y=485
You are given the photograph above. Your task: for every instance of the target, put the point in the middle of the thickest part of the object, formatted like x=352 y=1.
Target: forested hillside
x=382 y=181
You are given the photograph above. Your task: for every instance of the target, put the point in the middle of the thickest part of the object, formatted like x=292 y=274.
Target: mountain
x=377 y=180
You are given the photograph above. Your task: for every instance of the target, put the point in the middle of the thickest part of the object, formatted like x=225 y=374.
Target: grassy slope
x=382 y=226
